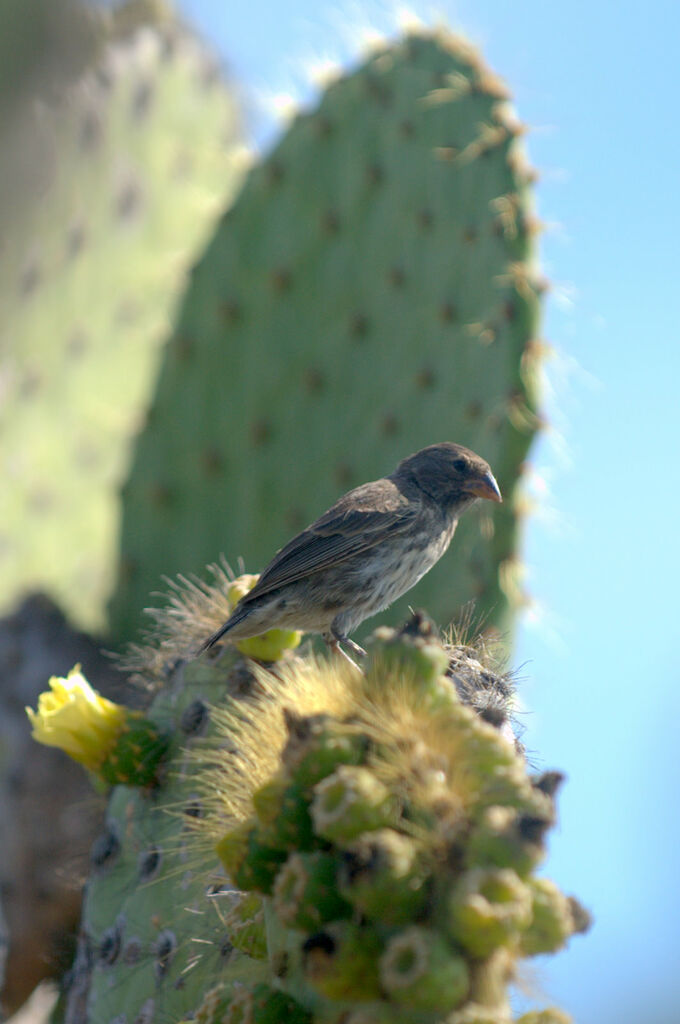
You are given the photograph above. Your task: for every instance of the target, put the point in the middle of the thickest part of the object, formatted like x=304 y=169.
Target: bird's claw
x=335 y=644
x=354 y=648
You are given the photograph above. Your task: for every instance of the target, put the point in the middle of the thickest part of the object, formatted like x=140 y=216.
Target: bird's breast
x=394 y=570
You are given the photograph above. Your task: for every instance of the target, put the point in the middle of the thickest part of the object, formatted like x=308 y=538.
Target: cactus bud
x=305 y=892
x=341 y=962
x=250 y=863
x=552 y=921
x=382 y=876
x=351 y=801
x=487 y=908
x=420 y=970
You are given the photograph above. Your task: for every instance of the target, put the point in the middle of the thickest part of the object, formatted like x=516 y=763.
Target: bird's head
x=451 y=475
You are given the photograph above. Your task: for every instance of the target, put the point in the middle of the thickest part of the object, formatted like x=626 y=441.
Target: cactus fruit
x=138 y=156
x=370 y=291
x=347 y=807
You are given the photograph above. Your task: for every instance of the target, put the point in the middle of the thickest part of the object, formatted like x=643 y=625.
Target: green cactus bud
x=232 y=848
x=283 y=812
x=383 y=876
x=489 y=750
x=419 y=969
x=551 y=921
x=415 y=649
x=245 y=925
x=487 y=908
x=351 y=801
x=250 y=862
x=496 y=841
x=318 y=745
x=305 y=892
x=267 y=799
x=341 y=962
x=500 y=774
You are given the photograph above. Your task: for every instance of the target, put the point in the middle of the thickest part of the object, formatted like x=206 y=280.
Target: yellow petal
x=73 y=716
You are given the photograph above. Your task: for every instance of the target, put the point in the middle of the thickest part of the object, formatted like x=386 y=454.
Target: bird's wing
x=359 y=520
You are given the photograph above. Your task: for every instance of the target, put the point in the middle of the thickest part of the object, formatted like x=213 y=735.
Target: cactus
x=396 y=911
x=136 y=157
x=347 y=808
x=371 y=291
x=153 y=932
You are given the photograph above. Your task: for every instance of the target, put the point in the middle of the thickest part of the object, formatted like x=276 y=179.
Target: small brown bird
x=372 y=546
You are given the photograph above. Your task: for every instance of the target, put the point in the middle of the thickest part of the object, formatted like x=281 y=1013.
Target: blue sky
x=597 y=83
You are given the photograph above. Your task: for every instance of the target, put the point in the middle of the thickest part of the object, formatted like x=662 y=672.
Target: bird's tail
x=232 y=621
x=213 y=639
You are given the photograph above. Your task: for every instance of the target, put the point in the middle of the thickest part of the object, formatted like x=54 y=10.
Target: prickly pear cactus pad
x=371 y=291
x=152 y=932
x=137 y=159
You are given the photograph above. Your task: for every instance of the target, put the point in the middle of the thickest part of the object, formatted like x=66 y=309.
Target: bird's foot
x=354 y=648
x=335 y=644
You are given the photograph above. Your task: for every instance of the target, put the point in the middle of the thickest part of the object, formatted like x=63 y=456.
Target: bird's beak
x=485 y=487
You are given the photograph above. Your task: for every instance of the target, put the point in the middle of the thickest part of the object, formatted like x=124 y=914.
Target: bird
x=368 y=549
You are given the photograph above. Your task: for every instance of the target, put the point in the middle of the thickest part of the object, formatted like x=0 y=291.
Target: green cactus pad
x=156 y=924
x=139 y=157
x=371 y=291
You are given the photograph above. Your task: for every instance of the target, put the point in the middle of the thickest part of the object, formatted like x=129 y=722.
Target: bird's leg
x=333 y=643
x=354 y=648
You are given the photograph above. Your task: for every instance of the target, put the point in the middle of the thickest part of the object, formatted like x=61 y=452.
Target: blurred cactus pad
x=371 y=291
x=378 y=832
x=121 y=147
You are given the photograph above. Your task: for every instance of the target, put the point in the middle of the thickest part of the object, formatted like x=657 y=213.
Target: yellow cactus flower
x=73 y=716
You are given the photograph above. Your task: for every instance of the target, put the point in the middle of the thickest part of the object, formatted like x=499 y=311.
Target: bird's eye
x=460 y=465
